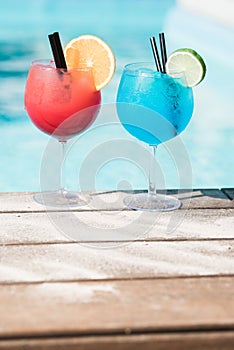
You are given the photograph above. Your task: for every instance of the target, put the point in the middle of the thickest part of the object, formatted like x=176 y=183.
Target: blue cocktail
x=153 y=107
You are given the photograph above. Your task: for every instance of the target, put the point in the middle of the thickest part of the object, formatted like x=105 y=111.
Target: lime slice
x=190 y=63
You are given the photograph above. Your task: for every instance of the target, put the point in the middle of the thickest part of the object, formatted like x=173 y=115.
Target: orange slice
x=91 y=51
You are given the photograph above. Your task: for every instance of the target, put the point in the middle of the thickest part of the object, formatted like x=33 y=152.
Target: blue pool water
x=126 y=25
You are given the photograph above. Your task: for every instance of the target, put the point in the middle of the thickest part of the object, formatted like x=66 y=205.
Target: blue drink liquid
x=153 y=106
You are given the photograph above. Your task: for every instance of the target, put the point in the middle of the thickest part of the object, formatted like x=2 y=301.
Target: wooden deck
x=133 y=281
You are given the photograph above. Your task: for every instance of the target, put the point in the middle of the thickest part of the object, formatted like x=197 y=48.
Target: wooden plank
x=16 y=228
x=101 y=261
x=229 y=192
x=205 y=198
x=172 y=341
x=117 y=307
x=113 y=200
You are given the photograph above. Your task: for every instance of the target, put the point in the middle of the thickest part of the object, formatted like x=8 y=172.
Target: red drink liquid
x=61 y=103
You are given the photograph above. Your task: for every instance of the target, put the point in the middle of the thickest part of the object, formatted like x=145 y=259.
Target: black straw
x=163 y=51
x=54 y=50
x=57 y=51
x=156 y=55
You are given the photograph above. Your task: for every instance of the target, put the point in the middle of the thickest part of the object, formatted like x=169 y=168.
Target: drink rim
x=134 y=69
x=49 y=64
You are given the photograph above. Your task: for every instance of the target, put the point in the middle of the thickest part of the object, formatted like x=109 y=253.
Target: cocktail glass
x=153 y=107
x=62 y=104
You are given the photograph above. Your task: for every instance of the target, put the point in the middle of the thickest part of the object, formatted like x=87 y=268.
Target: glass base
x=61 y=198
x=152 y=202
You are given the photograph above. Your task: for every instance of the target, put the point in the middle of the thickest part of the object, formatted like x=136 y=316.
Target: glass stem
x=152 y=171
x=61 y=160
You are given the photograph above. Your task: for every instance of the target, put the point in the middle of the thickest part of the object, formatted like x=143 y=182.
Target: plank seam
x=231 y=206
x=150 y=240
x=126 y=332
x=122 y=279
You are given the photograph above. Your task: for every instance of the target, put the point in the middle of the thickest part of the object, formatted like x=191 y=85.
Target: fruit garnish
x=91 y=51
x=190 y=63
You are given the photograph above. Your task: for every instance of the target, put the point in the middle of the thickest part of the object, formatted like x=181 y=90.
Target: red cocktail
x=63 y=104
x=58 y=101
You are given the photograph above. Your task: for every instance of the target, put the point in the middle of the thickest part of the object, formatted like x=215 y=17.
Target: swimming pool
x=126 y=25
